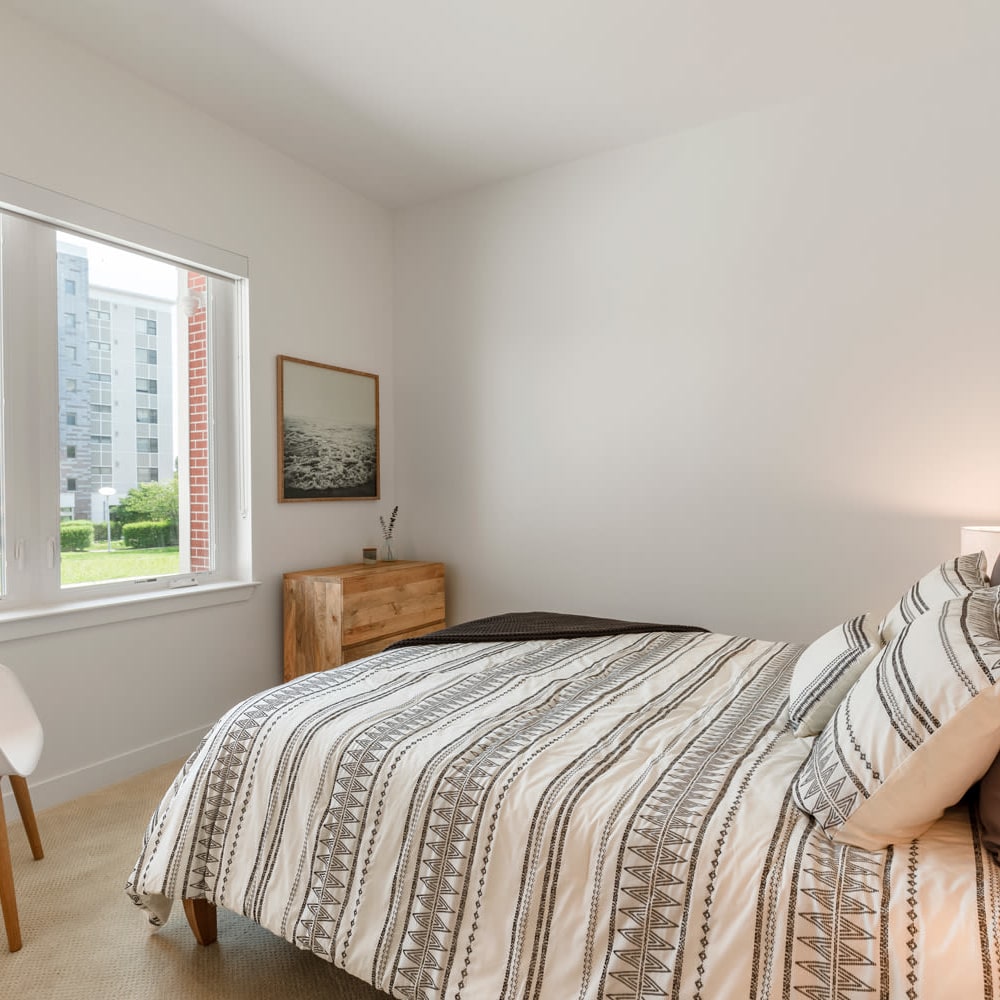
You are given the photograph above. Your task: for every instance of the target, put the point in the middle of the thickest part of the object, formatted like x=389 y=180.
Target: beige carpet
x=84 y=939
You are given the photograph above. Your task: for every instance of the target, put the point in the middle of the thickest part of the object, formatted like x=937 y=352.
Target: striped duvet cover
x=578 y=818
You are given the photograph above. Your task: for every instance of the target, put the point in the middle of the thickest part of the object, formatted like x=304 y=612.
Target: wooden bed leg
x=200 y=914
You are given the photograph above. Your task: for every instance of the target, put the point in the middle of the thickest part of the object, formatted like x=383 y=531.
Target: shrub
x=146 y=534
x=149 y=502
x=75 y=536
x=101 y=531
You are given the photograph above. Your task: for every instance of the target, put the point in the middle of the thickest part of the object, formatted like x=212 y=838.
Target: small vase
x=387 y=554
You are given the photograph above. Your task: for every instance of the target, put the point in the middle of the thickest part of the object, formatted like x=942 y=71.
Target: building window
x=100 y=475
x=210 y=486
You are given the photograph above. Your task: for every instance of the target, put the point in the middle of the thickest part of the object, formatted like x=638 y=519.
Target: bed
x=588 y=815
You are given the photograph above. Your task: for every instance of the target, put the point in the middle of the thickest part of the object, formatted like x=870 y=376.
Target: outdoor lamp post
x=107 y=492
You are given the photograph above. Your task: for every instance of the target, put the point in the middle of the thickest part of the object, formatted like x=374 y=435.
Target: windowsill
x=23 y=623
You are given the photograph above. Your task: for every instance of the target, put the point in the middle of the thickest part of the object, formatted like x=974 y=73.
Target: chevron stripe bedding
x=598 y=817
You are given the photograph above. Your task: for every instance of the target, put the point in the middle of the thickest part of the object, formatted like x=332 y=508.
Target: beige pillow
x=919 y=727
x=952 y=579
x=825 y=671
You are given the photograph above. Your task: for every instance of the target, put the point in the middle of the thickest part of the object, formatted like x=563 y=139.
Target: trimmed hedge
x=75 y=536
x=146 y=534
x=101 y=531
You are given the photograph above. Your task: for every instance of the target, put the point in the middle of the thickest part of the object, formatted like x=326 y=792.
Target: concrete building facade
x=117 y=368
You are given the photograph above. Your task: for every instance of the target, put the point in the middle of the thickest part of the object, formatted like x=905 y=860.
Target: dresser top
x=365 y=569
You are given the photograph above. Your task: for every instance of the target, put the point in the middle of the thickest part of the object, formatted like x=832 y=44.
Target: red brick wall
x=201 y=557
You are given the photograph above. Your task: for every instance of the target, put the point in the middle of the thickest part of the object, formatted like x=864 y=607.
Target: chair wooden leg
x=23 y=798
x=8 y=903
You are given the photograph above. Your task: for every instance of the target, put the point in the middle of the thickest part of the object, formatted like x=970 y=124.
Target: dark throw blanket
x=521 y=626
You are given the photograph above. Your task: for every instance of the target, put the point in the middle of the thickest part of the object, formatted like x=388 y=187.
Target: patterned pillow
x=952 y=579
x=824 y=673
x=918 y=728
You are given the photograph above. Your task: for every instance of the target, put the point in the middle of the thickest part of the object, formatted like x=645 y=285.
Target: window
x=186 y=464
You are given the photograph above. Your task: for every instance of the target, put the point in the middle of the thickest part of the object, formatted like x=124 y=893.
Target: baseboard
x=61 y=788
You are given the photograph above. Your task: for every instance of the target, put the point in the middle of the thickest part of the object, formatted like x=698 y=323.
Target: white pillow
x=952 y=579
x=825 y=671
x=918 y=728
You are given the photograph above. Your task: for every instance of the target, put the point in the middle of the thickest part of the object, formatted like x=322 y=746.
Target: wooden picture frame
x=328 y=432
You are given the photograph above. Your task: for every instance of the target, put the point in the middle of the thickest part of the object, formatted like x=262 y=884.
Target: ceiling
x=409 y=100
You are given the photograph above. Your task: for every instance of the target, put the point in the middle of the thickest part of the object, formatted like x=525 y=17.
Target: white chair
x=20 y=748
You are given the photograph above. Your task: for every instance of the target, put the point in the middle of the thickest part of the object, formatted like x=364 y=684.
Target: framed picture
x=328 y=446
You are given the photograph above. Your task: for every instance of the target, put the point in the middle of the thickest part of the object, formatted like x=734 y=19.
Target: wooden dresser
x=343 y=613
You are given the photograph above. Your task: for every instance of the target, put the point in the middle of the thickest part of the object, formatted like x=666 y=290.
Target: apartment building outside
x=117 y=373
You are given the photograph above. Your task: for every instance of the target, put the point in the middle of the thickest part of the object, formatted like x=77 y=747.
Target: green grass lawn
x=118 y=564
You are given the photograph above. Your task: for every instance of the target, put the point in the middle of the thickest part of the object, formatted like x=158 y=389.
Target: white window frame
x=35 y=601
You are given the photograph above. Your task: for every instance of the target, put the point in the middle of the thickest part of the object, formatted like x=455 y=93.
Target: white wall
x=120 y=698
x=742 y=377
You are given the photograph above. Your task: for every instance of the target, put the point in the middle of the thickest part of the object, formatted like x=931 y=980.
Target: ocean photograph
x=329 y=432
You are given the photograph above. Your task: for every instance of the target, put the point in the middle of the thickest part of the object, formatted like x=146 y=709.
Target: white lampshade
x=982 y=539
